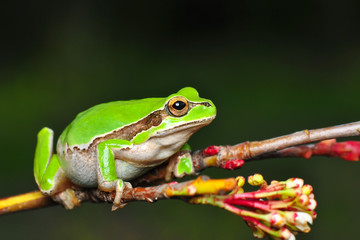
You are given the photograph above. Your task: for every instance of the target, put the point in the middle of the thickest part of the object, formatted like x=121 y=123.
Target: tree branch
x=233 y=157
x=278 y=209
x=302 y=137
x=201 y=185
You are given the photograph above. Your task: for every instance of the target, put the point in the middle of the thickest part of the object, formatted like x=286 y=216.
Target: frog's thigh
x=107 y=177
x=47 y=171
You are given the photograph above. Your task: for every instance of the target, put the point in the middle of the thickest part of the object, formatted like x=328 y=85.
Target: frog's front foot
x=118 y=200
x=67 y=198
x=180 y=164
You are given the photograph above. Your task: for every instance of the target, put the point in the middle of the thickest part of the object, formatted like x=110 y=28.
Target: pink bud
x=307 y=189
x=277 y=220
x=233 y=164
x=303 y=199
x=212 y=150
x=312 y=204
x=301 y=221
x=294 y=183
x=286 y=234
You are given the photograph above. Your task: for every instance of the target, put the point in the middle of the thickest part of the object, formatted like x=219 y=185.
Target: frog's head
x=182 y=114
x=186 y=107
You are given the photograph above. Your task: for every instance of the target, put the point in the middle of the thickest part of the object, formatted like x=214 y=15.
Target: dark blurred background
x=271 y=68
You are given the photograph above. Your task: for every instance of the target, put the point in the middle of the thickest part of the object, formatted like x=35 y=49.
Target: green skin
x=118 y=141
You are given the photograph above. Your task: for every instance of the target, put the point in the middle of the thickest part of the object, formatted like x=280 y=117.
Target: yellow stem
x=25 y=201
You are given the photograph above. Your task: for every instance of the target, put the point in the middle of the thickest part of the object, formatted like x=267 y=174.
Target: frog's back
x=104 y=118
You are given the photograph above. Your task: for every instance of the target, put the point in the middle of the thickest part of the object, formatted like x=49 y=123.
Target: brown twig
x=232 y=157
x=302 y=137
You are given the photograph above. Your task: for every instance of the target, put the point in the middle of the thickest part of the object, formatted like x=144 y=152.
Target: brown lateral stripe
x=130 y=131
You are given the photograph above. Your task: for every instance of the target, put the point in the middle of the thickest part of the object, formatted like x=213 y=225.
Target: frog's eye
x=178 y=106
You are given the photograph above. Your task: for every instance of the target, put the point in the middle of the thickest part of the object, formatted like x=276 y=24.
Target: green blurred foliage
x=271 y=68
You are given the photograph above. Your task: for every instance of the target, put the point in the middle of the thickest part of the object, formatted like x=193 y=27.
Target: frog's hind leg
x=49 y=176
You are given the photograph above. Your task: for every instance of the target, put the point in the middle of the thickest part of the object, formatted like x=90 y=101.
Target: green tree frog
x=115 y=142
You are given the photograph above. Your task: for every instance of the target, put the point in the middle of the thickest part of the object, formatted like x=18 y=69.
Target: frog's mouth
x=190 y=127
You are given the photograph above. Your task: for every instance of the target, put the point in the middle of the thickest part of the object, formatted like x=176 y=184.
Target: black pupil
x=179 y=105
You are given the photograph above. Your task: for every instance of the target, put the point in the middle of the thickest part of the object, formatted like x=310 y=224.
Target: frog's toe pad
x=119 y=191
x=120 y=186
x=118 y=206
x=67 y=198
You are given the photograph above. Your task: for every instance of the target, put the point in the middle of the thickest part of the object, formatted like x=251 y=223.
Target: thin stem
x=302 y=137
x=25 y=201
x=201 y=185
